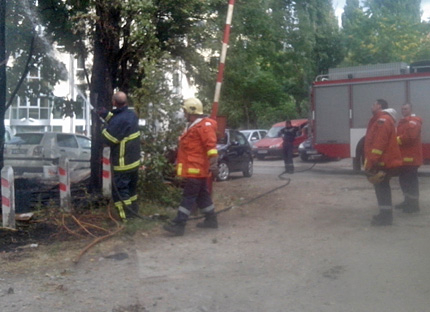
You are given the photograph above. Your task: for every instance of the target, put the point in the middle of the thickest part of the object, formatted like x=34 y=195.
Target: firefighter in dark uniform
x=409 y=139
x=382 y=158
x=122 y=135
x=197 y=160
x=288 y=134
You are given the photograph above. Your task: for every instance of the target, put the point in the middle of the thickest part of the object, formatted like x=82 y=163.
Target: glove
x=102 y=112
x=375 y=177
x=213 y=166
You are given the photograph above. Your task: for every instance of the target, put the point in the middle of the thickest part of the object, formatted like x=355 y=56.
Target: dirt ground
x=308 y=246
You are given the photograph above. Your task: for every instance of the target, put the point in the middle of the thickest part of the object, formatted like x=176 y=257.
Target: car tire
x=248 y=169
x=304 y=157
x=223 y=171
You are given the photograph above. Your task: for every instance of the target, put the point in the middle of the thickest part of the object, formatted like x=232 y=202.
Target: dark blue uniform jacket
x=123 y=136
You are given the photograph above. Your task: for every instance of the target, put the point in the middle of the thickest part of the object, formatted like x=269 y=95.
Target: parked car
x=253 y=136
x=30 y=152
x=8 y=134
x=272 y=144
x=235 y=155
x=307 y=150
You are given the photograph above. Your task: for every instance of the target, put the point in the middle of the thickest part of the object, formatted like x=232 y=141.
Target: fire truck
x=341 y=104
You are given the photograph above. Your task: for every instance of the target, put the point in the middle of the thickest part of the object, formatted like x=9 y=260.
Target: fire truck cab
x=342 y=100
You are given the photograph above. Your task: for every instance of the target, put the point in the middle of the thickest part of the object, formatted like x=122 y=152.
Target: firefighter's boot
x=401 y=205
x=385 y=217
x=210 y=222
x=289 y=168
x=175 y=228
x=412 y=206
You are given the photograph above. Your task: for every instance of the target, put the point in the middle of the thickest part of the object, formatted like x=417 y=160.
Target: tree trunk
x=101 y=90
x=2 y=80
x=2 y=77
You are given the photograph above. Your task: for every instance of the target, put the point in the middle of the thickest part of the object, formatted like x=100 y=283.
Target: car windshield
x=274 y=132
x=26 y=138
x=222 y=140
x=246 y=134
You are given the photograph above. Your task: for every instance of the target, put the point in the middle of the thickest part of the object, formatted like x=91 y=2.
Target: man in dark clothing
x=122 y=135
x=288 y=134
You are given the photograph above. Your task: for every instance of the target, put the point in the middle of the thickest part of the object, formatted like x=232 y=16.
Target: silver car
x=30 y=152
x=253 y=136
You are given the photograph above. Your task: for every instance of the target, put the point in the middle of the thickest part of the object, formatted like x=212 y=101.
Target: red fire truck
x=342 y=100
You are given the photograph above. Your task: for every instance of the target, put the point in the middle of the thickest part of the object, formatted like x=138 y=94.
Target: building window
x=35 y=108
x=34 y=74
x=80 y=63
x=176 y=80
x=57 y=128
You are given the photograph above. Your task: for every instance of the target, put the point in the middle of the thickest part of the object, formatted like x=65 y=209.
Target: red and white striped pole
x=222 y=59
x=8 y=197
x=64 y=177
x=107 y=177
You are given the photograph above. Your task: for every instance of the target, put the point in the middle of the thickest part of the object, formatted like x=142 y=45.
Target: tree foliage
x=383 y=31
x=276 y=48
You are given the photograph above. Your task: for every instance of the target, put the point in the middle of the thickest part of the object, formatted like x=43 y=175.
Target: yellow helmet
x=193 y=106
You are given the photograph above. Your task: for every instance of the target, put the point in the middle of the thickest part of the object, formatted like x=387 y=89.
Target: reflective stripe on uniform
x=122 y=147
x=408 y=159
x=385 y=207
x=109 y=136
x=376 y=151
x=381 y=164
x=179 y=171
x=120 y=208
x=212 y=152
x=128 y=167
x=207 y=209
x=133 y=198
x=193 y=170
x=109 y=116
x=399 y=141
x=184 y=210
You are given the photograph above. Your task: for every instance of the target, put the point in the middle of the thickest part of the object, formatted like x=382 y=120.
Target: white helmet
x=193 y=106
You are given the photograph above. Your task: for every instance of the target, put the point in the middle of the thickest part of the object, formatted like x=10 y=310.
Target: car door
x=254 y=137
x=262 y=133
x=237 y=149
x=67 y=145
x=84 y=147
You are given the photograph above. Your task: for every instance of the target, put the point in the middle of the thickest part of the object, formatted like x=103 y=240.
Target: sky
x=338 y=6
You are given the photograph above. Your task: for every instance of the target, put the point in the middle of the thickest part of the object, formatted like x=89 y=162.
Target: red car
x=271 y=144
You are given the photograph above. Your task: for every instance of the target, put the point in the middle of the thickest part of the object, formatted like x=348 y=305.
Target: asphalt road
x=308 y=246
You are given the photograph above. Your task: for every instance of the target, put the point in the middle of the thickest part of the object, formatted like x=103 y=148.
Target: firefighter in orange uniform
x=197 y=159
x=409 y=139
x=382 y=158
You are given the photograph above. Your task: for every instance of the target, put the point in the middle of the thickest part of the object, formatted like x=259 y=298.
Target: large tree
x=383 y=31
x=126 y=38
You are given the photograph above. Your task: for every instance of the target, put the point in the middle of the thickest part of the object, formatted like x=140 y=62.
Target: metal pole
x=222 y=59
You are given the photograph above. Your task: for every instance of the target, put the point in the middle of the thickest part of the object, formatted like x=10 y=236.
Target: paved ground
x=305 y=247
